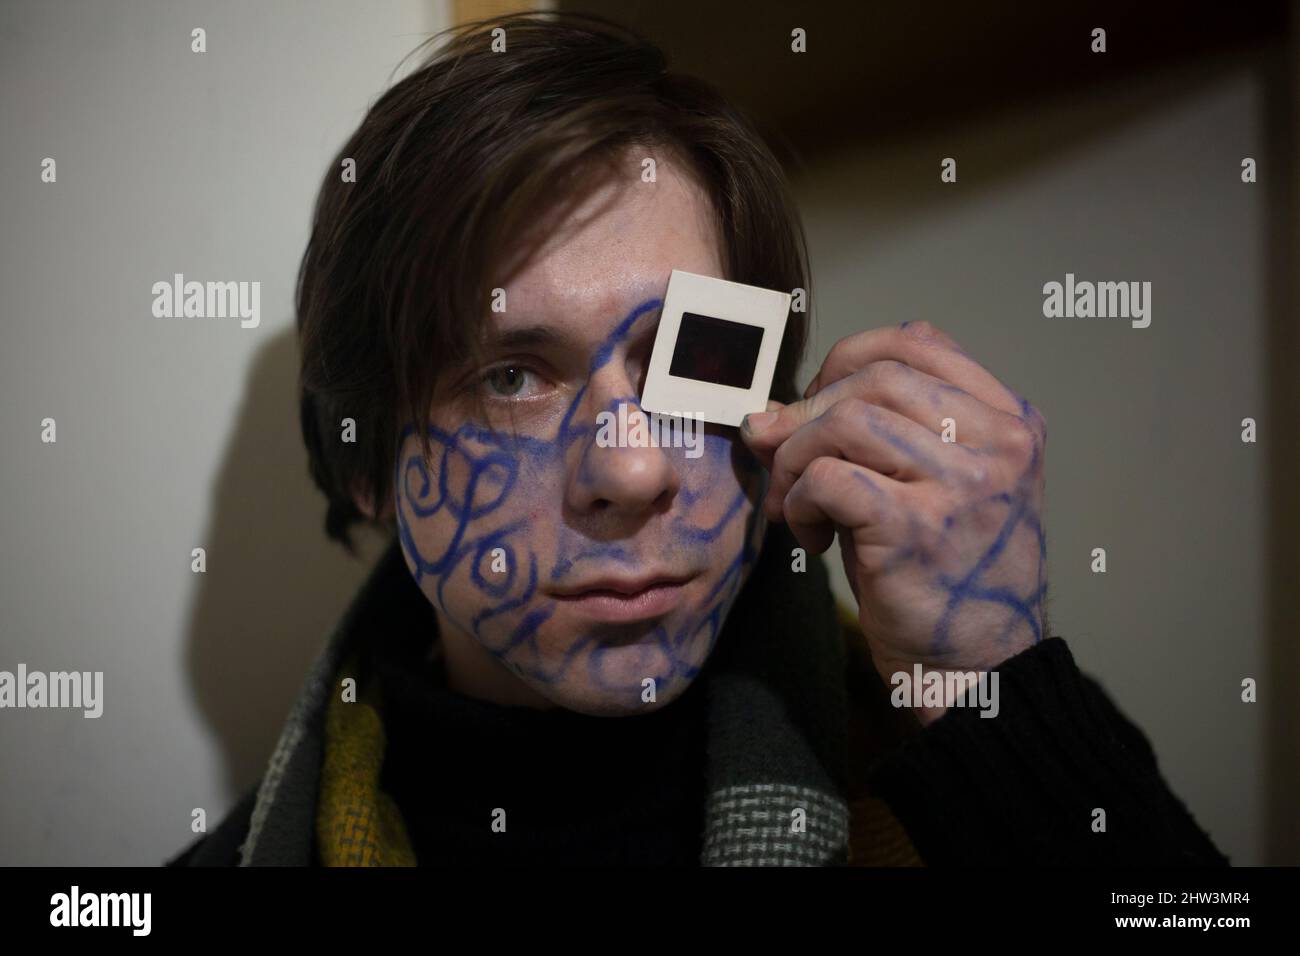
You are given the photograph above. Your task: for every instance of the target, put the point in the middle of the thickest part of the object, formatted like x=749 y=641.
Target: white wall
x=1144 y=450
x=172 y=434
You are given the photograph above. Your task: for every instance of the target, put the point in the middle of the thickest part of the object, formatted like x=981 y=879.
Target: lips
x=620 y=600
x=625 y=587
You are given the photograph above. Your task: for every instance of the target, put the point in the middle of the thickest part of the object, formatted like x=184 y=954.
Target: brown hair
x=450 y=163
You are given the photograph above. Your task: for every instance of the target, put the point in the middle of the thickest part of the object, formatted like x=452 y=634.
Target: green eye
x=506 y=379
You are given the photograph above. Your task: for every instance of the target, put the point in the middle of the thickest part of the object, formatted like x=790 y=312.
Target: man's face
x=563 y=570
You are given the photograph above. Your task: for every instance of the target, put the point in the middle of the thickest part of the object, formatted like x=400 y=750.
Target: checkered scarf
x=775 y=726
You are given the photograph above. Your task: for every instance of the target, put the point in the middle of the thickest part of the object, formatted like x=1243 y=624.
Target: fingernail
x=757 y=421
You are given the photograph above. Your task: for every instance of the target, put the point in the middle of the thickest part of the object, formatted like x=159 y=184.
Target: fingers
x=924 y=348
x=889 y=409
x=833 y=492
x=765 y=431
x=917 y=396
x=895 y=447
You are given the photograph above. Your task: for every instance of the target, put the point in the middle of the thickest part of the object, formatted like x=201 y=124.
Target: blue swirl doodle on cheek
x=478 y=473
x=698 y=535
x=485 y=547
x=512 y=603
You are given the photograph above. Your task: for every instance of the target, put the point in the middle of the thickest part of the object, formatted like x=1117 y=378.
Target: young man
x=584 y=653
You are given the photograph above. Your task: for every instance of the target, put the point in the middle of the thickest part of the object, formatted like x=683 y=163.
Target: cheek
x=720 y=483
x=463 y=516
x=482 y=528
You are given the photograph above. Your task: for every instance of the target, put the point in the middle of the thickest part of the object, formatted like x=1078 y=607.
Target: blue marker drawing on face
x=596 y=552
x=488 y=465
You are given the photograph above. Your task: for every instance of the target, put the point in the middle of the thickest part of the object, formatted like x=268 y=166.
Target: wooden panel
x=463 y=11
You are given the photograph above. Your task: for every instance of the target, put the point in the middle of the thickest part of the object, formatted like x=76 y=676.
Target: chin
x=609 y=682
x=600 y=702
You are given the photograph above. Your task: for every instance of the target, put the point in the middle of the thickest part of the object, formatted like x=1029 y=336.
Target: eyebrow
x=528 y=337
x=525 y=337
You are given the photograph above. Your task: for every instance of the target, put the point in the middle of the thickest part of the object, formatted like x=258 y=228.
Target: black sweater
x=587 y=791
x=1021 y=789
x=1026 y=787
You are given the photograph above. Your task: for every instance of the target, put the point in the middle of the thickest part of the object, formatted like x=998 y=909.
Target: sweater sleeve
x=1023 y=787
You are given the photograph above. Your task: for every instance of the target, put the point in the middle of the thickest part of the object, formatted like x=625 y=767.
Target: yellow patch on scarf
x=357 y=824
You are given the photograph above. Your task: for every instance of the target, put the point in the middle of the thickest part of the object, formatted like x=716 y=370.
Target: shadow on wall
x=275 y=586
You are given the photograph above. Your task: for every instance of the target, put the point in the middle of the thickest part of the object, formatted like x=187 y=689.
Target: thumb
x=749 y=432
x=764 y=432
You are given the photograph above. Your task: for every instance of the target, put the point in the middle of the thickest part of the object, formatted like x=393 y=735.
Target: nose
x=627 y=478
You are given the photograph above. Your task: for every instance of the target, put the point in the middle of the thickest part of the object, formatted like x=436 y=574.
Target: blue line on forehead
x=607 y=347
x=564 y=436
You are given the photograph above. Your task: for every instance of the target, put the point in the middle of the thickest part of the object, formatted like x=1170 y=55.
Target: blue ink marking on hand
x=865 y=480
x=970 y=587
x=907 y=448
